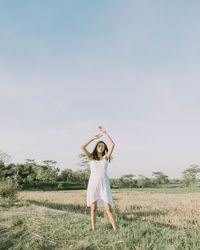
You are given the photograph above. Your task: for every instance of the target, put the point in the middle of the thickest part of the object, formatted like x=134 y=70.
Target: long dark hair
x=94 y=154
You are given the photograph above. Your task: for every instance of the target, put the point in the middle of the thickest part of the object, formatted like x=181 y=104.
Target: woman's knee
x=107 y=207
x=108 y=210
x=94 y=207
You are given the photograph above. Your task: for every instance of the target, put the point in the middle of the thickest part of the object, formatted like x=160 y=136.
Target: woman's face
x=100 y=147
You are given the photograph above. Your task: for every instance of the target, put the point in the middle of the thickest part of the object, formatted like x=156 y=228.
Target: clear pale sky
x=67 y=67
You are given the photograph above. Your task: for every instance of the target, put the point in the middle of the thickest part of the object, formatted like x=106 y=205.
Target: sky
x=67 y=67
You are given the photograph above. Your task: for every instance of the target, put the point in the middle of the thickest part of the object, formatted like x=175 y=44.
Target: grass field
x=145 y=218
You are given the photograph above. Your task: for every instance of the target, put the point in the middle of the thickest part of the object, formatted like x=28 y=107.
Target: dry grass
x=144 y=220
x=178 y=210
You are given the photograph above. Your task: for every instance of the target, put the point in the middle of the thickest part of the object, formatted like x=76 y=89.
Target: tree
x=31 y=167
x=2 y=168
x=128 y=176
x=7 y=171
x=46 y=173
x=160 y=178
x=143 y=181
x=83 y=161
x=83 y=176
x=127 y=179
x=50 y=163
x=4 y=157
x=190 y=175
x=30 y=161
x=66 y=175
x=23 y=173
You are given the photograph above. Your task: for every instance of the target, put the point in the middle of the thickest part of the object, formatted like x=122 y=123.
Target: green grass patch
x=166 y=190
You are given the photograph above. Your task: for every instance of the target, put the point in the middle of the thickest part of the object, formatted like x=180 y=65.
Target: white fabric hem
x=100 y=203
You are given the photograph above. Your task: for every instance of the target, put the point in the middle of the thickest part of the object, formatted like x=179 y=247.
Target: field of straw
x=61 y=220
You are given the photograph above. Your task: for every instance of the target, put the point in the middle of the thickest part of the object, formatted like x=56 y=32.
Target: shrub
x=60 y=186
x=9 y=189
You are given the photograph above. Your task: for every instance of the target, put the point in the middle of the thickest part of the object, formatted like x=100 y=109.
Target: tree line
x=33 y=175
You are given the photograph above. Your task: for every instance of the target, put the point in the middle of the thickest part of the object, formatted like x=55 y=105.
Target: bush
x=9 y=189
x=60 y=186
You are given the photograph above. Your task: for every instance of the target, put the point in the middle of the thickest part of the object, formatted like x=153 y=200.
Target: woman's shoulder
x=103 y=158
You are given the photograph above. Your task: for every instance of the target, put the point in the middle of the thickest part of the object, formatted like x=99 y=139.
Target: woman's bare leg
x=93 y=214
x=110 y=215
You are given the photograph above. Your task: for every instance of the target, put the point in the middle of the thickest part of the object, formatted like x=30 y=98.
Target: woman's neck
x=100 y=155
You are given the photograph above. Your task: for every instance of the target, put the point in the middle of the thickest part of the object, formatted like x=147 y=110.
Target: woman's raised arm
x=83 y=147
x=112 y=144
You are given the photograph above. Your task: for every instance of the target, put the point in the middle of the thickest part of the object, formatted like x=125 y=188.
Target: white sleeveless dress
x=98 y=186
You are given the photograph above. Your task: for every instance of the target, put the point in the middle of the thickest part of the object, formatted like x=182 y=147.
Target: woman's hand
x=102 y=129
x=97 y=136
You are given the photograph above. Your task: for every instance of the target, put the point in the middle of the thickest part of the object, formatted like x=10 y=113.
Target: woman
x=98 y=190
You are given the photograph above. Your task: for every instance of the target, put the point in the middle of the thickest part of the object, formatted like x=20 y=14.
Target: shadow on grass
x=145 y=213
x=138 y=211
x=123 y=216
x=142 y=216
x=157 y=225
x=66 y=207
